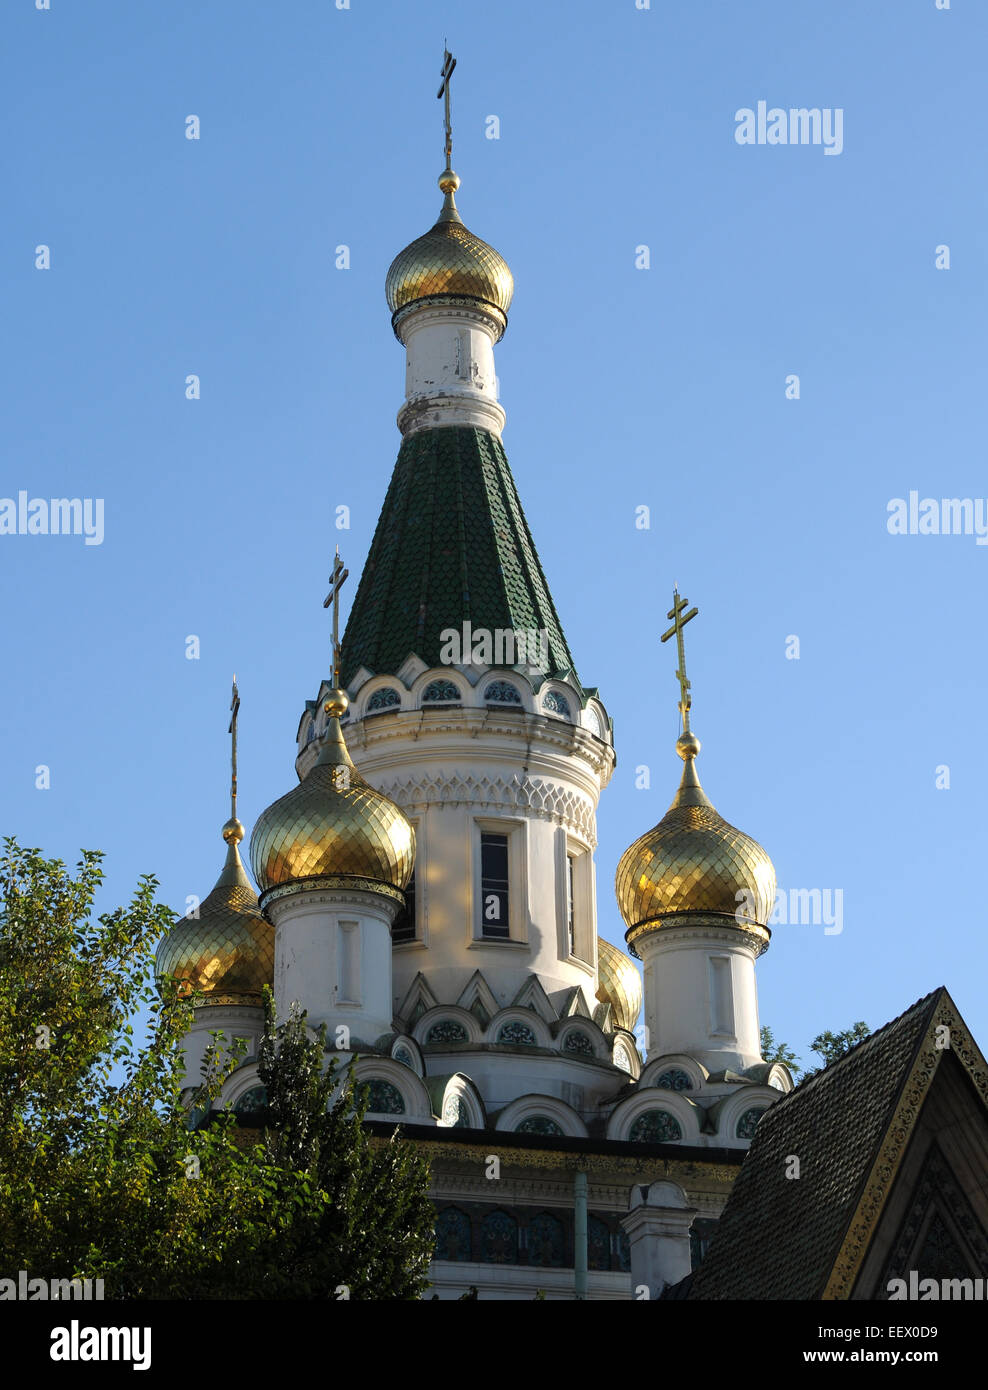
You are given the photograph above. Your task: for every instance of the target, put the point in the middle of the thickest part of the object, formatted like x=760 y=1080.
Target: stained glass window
x=674 y=1080
x=546 y=1240
x=518 y=1033
x=502 y=693
x=499 y=1238
x=447 y=1030
x=598 y=1244
x=384 y=1098
x=748 y=1123
x=388 y=698
x=251 y=1101
x=655 y=1127
x=538 y=1124
x=453 y=1235
x=556 y=703
x=438 y=692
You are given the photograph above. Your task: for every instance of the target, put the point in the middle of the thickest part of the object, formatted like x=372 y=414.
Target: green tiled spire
x=452 y=545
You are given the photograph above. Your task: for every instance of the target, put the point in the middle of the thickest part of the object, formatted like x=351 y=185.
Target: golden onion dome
x=450 y=260
x=333 y=826
x=694 y=863
x=227 y=952
x=620 y=985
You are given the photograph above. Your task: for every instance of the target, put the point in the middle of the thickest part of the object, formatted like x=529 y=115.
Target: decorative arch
x=441 y=691
x=556 y=703
x=664 y=1072
x=462 y=1105
x=406 y=1050
x=502 y=692
x=394 y=1078
x=580 y=1037
x=639 y=1107
x=728 y=1114
x=625 y=1057
x=385 y=697
x=534 y=1107
x=524 y=1019
x=461 y=1026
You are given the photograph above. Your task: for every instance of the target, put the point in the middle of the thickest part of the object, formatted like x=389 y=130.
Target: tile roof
x=451 y=545
x=779 y=1237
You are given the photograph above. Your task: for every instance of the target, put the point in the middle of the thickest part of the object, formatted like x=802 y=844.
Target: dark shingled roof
x=779 y=1237
x=451 y=545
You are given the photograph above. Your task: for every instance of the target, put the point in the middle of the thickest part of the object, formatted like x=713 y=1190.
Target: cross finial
x=336 y=581
x=232 y=731
x=680 y=619
x=449 y=63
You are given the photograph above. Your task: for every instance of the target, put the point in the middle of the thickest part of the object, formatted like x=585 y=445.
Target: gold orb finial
x=336 y=704
x=449 y=181
x=688 y=745
x=233 y=831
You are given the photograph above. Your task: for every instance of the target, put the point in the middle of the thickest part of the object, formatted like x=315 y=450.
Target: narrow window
x=494 y=885
x=721 y=997
x=349 y=963
x=403 y=928
x=570 y=909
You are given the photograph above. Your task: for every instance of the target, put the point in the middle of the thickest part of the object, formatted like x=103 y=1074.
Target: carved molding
x=546 y=800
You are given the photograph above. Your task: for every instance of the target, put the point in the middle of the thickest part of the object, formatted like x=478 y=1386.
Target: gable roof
x=452 y=545
x=805 y=1237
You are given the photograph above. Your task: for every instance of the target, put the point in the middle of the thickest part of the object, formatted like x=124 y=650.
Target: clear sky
x=623 y=387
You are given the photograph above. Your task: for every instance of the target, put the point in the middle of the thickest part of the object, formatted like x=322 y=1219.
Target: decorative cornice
x=344 y=887
x=647 y=1168
x=883 y=1173
x=683 y=926
x=532 y=795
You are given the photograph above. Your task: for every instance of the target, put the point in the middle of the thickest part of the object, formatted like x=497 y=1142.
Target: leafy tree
x=100 y=1173
x=831 y=1046
x=774 y=1051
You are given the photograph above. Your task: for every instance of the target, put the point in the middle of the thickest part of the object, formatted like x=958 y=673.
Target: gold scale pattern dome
x=227 y=952
x=694 y=862
x=449 y=260
x=333 y=825
x=620 y=985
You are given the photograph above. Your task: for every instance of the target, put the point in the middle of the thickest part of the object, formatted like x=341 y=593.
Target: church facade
x=428 y=889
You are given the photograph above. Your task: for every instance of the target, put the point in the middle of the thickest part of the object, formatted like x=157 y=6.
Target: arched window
x=593 y=722
x=251 y=1101
x=518 y=1033
x=546 y=1240
x=577 y=1041
x=386 y=698
x=538 y=1124
x=452 y=1235
x=439 y=692
x=748 y=1123
x=447 y=1030
x=556 y=704
x=655 y=1127
x=384 y=1099
x=499 y=1238
x=455 y=1113
x=674 y=1079
x=402 y=1054
x=622 y=1060
x=502 y=693
x=598 y=1243
x=310 y=732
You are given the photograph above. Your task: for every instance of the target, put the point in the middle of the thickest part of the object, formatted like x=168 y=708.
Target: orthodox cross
x=232 y=730
x=680 y=619
x=336 y=581
x=449 y=63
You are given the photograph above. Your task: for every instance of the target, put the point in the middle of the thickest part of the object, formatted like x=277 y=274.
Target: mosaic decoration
x=598 y=1244
x=556 y=703
x=674 y=1080
x=622 y=1060
x=546 y=1240
x=538 y=1124
x=655 y=1127
x=437 y=692
x=579 y=1042
x=748 y=1123
x=388 y=698
x=252 y=1101
x=384 y=1098
x=499 y=1238
x=518 y=1033
x=503 y=692
x=455 y=1113
x=447 y=1030
x=452 y=1235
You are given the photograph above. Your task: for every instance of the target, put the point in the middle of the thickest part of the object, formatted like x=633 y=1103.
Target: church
x=428 y=890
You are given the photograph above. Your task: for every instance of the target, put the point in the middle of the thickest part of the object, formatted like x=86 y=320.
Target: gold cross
x=449 y=63
x=680 y=619
x=336 y=581
x=235 y=707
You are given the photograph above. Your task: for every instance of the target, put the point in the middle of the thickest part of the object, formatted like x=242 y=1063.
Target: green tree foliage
x=101 y=1175
x=831 y=1046
x=774 y=1051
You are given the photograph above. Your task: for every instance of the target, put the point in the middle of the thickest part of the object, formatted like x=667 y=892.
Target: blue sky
x=623 y=387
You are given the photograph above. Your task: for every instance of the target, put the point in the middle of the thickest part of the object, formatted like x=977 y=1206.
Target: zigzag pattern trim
x=540 y=798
